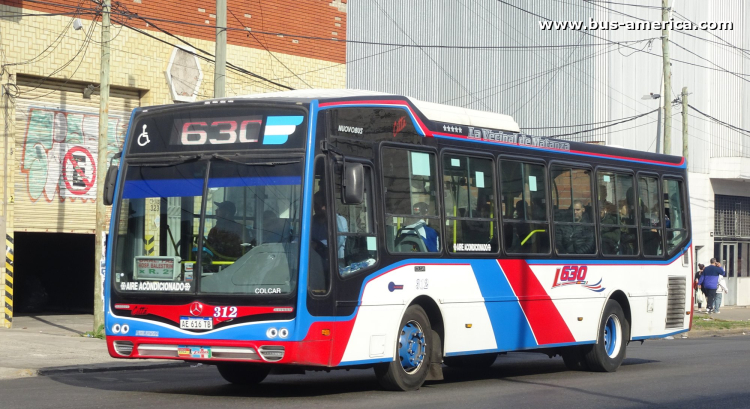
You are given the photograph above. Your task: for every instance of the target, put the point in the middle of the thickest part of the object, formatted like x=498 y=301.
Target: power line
x=622 y=4
x=604 y=126
x=438 y=65
x=719 y=121
x=580 y=125
x=269 y=51
x=83 y=48
x=711 y=62
x=229 y=65
x=615 y=42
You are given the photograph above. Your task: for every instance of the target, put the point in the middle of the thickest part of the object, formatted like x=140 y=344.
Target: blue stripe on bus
x=139 y=189
x=660 y=336
x=366 y=361
x=106 y=287
x=304 y=320
x=509 y=324
x=255 y=181
x=284 y=120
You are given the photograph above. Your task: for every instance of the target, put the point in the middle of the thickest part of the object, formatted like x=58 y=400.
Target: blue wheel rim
x=411 y=347
x=612 y=336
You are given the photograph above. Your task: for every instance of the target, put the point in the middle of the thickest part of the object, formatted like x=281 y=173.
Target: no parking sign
x=79 y=170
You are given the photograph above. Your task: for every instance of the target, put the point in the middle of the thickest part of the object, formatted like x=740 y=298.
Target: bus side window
x=524 y=193
x=674 y=214
x=617 y=214
x=469 y=202
x=574 y=224
x=356 y=241
x=318 y=267
x=651 y=226
x=412 y=222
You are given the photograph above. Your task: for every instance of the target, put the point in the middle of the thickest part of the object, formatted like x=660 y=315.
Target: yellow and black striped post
x=8 y=281
x=149 y=245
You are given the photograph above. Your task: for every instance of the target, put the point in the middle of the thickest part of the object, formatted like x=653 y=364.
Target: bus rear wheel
x=614 y=331
x=243 y=374
x=413 y=351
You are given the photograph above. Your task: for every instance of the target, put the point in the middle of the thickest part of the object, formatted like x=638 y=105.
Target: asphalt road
x=680 y=373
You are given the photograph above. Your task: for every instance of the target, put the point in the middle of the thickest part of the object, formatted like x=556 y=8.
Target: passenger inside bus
x=225 y=238
x=427 y=235
x=576 y=238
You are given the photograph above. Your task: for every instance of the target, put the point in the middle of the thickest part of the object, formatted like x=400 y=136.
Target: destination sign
x=212 y=129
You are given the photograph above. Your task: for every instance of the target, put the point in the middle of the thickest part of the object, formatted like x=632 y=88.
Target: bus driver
x=226 y=236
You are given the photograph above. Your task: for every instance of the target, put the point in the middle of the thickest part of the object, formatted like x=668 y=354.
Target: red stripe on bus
x=545 y=320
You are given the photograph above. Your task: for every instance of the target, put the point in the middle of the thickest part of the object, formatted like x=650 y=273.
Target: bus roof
x=503 y=130
x=431 y=110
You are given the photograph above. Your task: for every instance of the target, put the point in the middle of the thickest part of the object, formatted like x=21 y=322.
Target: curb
x=717 y=333
x=118 y=368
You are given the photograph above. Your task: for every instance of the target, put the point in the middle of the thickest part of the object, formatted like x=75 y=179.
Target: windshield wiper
x=228 y=159
x=181 y=159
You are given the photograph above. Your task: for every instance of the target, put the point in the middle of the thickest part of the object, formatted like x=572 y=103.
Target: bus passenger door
x=355 y=255
x=316 y=348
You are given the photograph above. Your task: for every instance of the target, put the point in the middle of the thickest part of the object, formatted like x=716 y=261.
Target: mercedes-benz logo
x=196 y=308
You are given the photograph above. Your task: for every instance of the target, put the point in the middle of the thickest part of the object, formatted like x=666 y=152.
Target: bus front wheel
x=413 y=351
x=614 y=331
x=243 y=374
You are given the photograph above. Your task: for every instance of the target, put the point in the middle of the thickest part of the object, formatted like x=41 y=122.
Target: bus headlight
x=272 y=332
x=283 y=333
x=116 y=328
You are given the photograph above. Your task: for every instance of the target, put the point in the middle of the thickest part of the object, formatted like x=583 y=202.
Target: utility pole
x=684 y=124
x=221 y=48
x=666 y=98
x=101 y=171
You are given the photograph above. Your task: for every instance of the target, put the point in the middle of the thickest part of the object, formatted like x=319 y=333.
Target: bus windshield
x=248 y=239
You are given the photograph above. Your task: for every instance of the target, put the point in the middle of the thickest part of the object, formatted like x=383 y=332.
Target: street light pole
x=221 y=49
x=667 y=79
x=101 y=162
x=684 y=124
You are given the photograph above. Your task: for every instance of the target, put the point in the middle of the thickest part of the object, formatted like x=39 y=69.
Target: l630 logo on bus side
x=575 y=275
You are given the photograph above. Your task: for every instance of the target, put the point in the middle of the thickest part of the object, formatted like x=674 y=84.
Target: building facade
x=161 y=53
x=587 y=84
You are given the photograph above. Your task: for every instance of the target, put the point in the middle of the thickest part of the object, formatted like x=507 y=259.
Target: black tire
x=574 y=358
x=609 y=351
x=396 y=376
x=478 y=361
x=243 y=374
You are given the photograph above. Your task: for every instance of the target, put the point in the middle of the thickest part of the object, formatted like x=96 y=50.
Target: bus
x=324 y=229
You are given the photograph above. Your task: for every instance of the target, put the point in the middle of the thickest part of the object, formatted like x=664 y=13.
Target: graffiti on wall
x=60 y=149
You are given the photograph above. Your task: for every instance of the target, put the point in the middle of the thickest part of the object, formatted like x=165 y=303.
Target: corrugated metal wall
x=563 y=86
x=56 y=153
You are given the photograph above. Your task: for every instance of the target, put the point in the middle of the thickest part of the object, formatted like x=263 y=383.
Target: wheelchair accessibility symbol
x=143 y=137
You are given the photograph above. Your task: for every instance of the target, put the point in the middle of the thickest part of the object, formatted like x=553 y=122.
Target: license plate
x=196 y=323
x=193 y=352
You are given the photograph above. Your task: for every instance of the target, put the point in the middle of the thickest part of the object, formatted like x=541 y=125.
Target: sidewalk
x=50 y=344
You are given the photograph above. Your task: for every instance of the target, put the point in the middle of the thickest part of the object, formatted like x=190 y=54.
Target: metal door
x=728 y=258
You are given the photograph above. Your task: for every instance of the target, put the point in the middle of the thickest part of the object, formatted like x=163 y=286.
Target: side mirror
x=353 y=183
x=109 y=185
